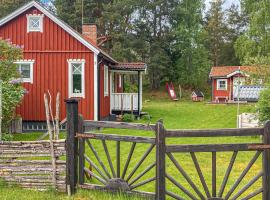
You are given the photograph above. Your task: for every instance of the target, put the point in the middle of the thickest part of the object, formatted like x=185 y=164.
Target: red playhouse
x=229 y=81
x=59 y=59
x=197 y=96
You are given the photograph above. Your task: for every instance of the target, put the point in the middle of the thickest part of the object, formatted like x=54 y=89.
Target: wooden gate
x=93 y=167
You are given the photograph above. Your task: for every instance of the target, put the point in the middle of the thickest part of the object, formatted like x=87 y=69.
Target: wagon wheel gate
x=106 y=161
x=160 y=167
x=251 y=181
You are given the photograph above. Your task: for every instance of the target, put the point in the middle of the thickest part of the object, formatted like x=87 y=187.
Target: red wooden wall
x=50 y=50
x=222 y=93
x=104 y=100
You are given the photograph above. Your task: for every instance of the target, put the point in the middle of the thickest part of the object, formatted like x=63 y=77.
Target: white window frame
x=37 y=16
x=106 y=80
x=70 y=78
x=31 y=63
x=218 y=84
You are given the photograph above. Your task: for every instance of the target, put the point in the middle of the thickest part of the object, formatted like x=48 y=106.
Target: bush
x=7 y=137
x=12 y=90
x=128 y=118
x=12 y=94
x=264 y=105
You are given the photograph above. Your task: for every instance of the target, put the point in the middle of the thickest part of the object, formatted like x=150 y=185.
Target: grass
x=176 y=115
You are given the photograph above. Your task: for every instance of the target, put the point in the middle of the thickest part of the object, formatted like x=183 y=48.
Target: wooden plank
x=160 y=159
x=243 y=174
x=72 y=146
x=108 y=158
x=227 y=174
x=118 y=164
x=115 y=137
x=200 y=174
x=214 y=174
x=120 y=125
x=81 y=151
x=209 y=148
x=215 y=132
x=266 y=163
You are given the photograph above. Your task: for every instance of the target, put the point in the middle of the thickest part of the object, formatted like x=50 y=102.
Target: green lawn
x=176 y=115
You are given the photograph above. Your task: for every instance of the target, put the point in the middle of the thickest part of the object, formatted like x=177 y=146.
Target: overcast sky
x=227 y=3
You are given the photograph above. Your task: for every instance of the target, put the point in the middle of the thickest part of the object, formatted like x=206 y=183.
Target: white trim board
x=53 y=18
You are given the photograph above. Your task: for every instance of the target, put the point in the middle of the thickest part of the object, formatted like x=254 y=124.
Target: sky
x=227 y=3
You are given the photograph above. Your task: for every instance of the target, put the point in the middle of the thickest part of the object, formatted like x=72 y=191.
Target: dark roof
x=198 y=93
x=248 y=92
x=130 y=66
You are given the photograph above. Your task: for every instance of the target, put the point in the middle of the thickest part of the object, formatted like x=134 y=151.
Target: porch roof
x=130 y=66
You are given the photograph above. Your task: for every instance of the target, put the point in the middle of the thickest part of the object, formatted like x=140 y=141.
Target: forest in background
x=180 y=40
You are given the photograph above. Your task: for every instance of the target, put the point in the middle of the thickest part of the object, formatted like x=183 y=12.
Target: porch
x=123 y=99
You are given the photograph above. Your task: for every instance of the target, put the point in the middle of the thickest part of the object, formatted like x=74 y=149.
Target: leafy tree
x=12 y=91
x=264 y=105
x=255 y=42
x=192 y=64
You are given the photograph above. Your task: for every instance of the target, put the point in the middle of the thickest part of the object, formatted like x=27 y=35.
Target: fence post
x=160 y=161
x=71 y=145
x=81 y=151
x=266 y=162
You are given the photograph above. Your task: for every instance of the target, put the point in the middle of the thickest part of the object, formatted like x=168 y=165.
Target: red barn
x=225 y=80
x=59 y=59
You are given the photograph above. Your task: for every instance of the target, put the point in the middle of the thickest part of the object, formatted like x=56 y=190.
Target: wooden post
x=266 y=162
x=139 y=94
x=160 y=160
x=1 y=110
x=72 y=144
x=81 y=151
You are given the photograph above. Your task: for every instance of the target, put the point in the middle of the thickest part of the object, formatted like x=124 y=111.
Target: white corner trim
x=70 y=80
x=40 y=17
x=31 y=63
x=53 y=18
x=106 y=83
x=96 y=87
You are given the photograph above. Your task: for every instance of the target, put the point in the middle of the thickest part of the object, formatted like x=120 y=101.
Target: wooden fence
x=29 y=164
x=114 y=177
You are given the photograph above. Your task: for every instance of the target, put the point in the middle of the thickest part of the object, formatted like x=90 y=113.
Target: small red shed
x=226 y=79
x=59 y=59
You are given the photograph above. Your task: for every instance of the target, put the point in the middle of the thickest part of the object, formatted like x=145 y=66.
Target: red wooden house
x=226 y=79
x=59 y=59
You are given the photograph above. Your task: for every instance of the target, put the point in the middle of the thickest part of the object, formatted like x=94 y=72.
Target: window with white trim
x=221 y=84
x=25 y=68
x=106 y=80
x=35 y=23
x=76 y=78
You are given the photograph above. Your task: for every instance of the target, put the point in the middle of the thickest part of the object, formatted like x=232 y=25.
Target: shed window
x=106 y=80
x=25 y=68
x=35 y=23
x=222 y=84
x=76 y=78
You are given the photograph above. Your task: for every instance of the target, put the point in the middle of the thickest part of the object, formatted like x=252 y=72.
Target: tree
x=192 y=63
x=12 y=91
x=254 y=44
x=215 y=27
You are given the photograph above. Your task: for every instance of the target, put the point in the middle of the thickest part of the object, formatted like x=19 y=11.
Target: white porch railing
x=119 y=100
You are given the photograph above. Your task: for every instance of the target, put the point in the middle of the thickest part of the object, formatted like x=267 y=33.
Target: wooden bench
x=217 y=99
